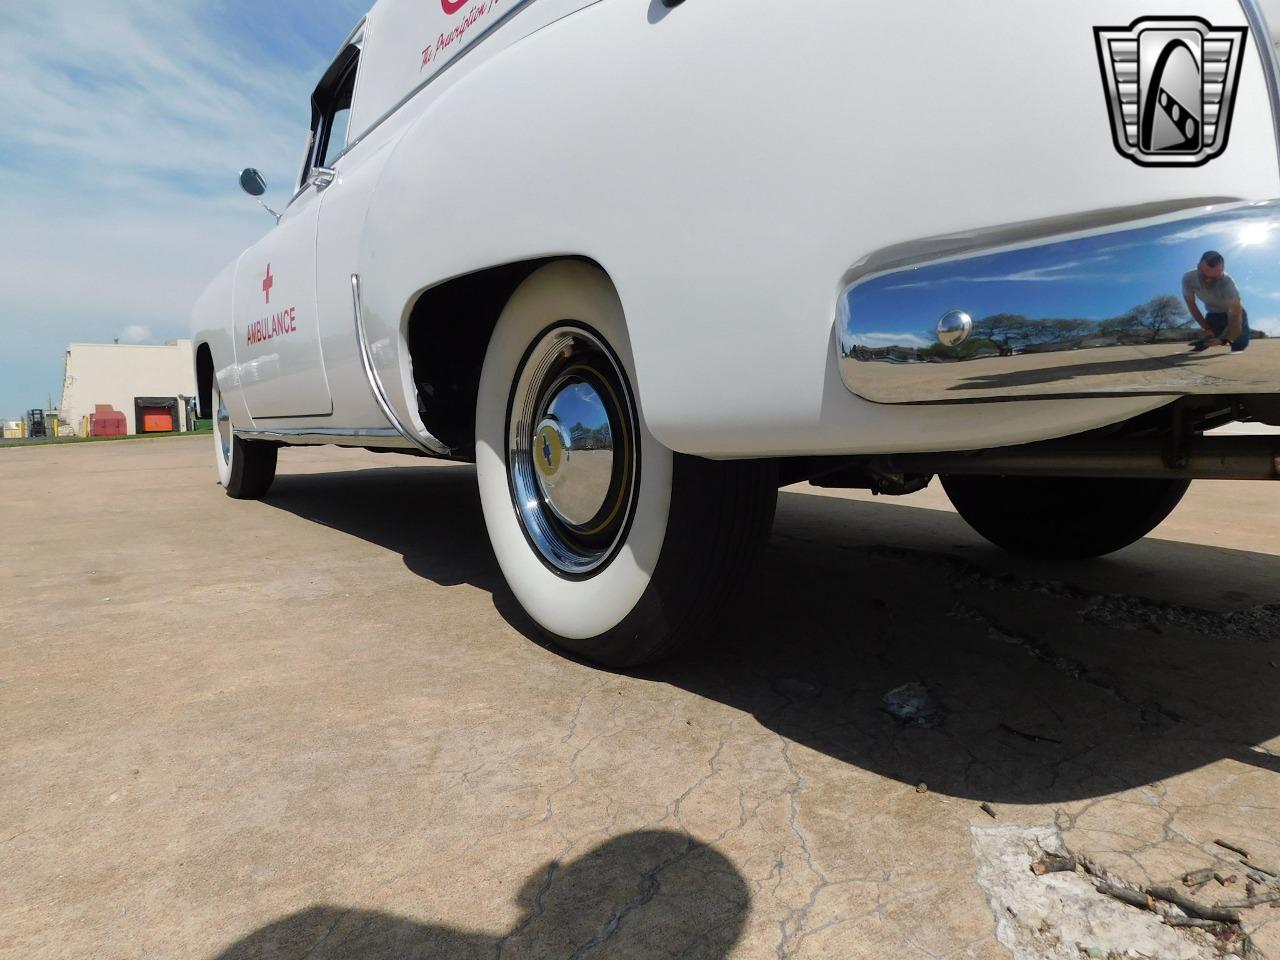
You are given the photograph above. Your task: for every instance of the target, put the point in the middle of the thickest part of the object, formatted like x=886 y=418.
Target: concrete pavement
x=318 y=727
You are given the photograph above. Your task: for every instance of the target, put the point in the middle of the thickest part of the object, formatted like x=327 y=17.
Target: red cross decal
x=268 y=283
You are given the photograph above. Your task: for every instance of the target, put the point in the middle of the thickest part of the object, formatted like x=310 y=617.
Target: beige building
x=150 y=385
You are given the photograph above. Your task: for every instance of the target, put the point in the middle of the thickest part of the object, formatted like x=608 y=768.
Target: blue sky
x=125 y=127
x=1093 y=278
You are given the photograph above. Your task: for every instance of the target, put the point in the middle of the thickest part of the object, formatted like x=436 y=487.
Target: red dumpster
x=106 y=421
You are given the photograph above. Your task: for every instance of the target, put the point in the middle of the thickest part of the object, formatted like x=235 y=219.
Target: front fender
x=211 y=324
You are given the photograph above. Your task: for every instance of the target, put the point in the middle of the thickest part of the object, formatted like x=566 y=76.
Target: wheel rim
x=223 y=425
x=572 y=457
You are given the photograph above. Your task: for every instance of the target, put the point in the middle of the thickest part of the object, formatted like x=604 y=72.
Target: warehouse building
x=112 y=388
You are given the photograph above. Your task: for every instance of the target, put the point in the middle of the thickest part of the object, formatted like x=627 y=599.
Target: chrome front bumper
x=1086 y=314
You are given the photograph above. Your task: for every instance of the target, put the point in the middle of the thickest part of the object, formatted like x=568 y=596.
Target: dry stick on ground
x=1131 y=897
x=1269 y=871
x=1167 y=911
x=1192 y=907
x=1232 y=847
x=1251 y=902
x=1091 y=867
x=1168 y=894
x=1196 y=922
x=1032 y=737
x=1053 y=863
x=1198 y=877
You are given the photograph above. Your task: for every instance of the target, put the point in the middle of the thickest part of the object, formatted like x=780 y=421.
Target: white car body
x=645 y=261
x=732 y=165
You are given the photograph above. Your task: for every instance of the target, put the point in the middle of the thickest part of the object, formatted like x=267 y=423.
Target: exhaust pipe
x=1201 y=458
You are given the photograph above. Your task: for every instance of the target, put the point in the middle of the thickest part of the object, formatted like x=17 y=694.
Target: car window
x=337 y=118
x=333 y=112
x=331 y=106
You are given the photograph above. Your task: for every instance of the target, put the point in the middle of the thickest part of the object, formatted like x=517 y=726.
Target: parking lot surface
x=318 y=726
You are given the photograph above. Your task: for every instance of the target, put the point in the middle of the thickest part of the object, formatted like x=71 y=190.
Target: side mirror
x=252 y=182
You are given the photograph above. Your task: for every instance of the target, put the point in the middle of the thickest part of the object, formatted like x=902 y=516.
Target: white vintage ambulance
x=643 y=261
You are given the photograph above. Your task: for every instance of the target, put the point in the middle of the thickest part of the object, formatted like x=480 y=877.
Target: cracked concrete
x=316 y=727
x=1061 y=915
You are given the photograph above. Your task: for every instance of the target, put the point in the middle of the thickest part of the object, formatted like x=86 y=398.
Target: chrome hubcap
x=571 y=455
x=573 y=450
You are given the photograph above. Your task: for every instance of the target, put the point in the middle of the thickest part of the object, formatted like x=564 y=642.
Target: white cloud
x=1192 y=233
x=1269 y=325
x=892 y=340
x=135 y=333
x=129 y=90
x=126 y=125
x=1053 y=273
x=1245 y=233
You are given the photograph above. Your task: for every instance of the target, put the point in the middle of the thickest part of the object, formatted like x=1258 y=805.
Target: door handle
x=323 y=177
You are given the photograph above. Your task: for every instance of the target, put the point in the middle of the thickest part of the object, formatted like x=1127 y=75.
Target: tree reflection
x=1162 y=319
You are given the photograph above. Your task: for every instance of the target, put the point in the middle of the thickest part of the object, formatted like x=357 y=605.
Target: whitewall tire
x=222 y=437
x=617 y=548
x=1063 y=518
x=246 y=469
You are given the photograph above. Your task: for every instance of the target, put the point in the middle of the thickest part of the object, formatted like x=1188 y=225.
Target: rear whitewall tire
x=1063 y=518
x=581 y=608
x=622 y=572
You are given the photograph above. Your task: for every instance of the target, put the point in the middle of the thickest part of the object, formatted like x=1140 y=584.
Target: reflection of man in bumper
x=1225 y=321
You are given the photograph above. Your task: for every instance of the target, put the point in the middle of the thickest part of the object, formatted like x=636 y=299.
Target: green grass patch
x=50 y=441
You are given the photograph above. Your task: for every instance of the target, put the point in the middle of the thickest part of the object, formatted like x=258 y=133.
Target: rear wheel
x=246 y=468
x=619 y=550
x=1063 y=518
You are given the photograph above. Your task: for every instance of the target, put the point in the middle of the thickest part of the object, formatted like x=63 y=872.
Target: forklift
x=36 y=425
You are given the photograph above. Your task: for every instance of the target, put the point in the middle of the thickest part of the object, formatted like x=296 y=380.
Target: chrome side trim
x=1084 y=314
x=360 y=436
x=1270 y=61
x=428 y=444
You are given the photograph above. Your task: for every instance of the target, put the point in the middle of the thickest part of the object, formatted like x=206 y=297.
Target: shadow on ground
x=1086 y=368
x=1049 y=692
x=608 y=902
